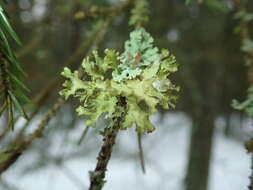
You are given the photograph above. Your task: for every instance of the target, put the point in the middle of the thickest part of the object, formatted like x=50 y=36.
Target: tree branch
x=14 y=153
x=98 y=175
x=96 y=12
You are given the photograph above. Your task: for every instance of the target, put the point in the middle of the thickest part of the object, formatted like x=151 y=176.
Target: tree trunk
x=200 y=152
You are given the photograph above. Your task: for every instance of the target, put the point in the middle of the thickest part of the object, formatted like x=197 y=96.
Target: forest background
x=212 y=43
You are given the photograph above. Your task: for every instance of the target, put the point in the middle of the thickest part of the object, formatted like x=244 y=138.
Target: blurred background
x=197 y=146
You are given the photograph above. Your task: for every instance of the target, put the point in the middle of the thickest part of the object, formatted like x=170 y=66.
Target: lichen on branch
x=140 y=74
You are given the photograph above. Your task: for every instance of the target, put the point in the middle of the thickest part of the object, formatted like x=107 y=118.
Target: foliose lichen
x=139 y=53
x=140 y=74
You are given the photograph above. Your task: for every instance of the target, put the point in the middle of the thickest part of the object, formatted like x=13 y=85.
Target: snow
x=230 y=166
x=165 y=155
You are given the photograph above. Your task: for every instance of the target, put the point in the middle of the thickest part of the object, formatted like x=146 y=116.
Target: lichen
x=146 y=84
x=139 y=52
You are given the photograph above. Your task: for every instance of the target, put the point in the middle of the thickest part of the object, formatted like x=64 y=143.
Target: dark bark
x=98 y=175
x=200 y=152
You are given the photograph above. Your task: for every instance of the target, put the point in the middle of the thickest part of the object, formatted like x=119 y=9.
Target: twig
x=141 y=154
x=83 y=136
x=18 y=148
x=29 y=47
x=96 y=12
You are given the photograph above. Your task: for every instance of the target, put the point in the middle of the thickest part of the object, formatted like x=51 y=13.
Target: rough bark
x=97 y=176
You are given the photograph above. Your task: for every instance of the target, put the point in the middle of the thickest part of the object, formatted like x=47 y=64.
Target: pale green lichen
x=139 y=52
x=150 y=86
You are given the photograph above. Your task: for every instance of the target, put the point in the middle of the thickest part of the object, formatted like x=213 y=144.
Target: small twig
x=141 y=154
x=96 y=12
x=19 y=147
x=29 y=47
x=83 y=136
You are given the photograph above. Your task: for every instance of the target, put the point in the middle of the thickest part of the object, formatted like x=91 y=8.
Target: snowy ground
x=165 y=150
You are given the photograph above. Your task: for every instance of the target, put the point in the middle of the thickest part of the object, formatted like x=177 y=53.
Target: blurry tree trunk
x=200 y=151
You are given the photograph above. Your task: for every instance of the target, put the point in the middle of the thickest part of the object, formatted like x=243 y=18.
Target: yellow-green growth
x=143 y=91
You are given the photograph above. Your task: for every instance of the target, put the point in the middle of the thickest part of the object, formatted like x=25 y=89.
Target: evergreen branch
x=10 y=156
x=7 y=103
x=12 y=92
x=6 y=25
